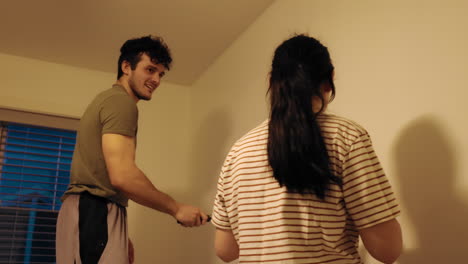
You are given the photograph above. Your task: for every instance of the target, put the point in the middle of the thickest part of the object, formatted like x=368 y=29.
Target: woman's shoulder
x=340 y=123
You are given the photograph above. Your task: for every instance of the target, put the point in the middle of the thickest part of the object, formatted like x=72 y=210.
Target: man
x=92 y=223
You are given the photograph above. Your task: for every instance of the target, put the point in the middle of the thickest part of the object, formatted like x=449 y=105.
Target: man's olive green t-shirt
x=111 y=112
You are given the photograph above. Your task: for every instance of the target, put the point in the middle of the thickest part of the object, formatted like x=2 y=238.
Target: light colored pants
x=68 y=234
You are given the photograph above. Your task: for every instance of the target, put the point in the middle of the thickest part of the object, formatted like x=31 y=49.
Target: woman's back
x=272 y=225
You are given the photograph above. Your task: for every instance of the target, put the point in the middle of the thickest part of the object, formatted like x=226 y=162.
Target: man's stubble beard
x=132 y=85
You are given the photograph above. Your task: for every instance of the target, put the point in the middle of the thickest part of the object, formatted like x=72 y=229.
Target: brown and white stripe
x=274 y=226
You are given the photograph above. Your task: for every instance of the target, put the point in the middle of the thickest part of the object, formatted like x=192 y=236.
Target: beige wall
x=47 y=87
x=400 y=72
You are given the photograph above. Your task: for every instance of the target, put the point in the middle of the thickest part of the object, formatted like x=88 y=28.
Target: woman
x=304 y=185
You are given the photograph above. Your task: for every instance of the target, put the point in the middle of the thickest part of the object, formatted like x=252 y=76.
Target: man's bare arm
x=119 y=155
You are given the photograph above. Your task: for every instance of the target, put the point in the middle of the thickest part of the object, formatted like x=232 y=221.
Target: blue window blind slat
x=25 y=147
x=38 y=156
x=37 y=163
x=63 y=178
x=28 y=169
x=41 y=137
x=42 y=130
x=33 y=150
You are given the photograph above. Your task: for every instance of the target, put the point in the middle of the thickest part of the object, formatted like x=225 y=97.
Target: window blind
x=34 y=173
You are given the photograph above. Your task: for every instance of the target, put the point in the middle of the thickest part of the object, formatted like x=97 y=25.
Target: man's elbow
x=118 y=180
x=121 y=176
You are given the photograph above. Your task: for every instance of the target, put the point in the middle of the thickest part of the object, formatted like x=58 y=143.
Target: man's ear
x=126 y=67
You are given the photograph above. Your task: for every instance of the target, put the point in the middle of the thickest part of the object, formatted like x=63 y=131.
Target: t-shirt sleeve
x=367 y=192
x=220 y=218
x=119 y=115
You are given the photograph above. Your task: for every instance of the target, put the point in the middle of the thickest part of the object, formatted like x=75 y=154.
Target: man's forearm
x=137 y=187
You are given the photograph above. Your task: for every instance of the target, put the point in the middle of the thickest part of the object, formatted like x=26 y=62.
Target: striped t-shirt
x=274 y=226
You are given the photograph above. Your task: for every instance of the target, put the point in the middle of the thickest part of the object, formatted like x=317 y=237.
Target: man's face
x=146 y=77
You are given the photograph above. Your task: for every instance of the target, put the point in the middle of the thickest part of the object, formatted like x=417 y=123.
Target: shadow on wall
x=426 y=170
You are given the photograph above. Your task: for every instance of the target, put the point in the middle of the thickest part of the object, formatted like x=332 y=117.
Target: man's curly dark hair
x=154 y=47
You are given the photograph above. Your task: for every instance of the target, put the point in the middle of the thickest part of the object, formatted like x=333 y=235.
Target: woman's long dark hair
x=296 y=148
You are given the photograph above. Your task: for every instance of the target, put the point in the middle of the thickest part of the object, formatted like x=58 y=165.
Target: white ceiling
x=89 y=33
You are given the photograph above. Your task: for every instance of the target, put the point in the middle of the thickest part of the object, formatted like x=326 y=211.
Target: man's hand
x=131 y=252
x=190 y=216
